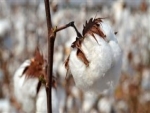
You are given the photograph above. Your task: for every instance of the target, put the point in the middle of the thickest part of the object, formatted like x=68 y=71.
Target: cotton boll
x=104 y=56
x=88 y=102
x=84 y=77
x=105 y=105
x=25 y=89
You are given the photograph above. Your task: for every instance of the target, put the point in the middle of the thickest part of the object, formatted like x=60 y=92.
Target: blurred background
x=23 y=27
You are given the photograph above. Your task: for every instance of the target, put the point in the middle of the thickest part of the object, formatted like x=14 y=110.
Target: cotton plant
x=29 y=81
x=95 y=58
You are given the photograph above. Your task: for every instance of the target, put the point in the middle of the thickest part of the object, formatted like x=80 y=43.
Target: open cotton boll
x=100 y=58
x=103 y=59
x=28 y=80
x=105 y=105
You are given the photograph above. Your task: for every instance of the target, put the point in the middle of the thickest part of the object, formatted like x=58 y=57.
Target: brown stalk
x=51 y=38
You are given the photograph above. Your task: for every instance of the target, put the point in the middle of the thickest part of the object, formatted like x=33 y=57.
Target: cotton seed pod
x=95 y=60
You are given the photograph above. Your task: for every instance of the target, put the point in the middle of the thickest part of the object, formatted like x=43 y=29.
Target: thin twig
x=71 y=24
x=65 y=26
x=78 y=33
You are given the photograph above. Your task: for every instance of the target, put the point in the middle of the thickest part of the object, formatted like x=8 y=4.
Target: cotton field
x=104 y=73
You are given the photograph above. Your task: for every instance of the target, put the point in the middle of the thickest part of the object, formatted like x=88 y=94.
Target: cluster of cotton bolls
x=23 y=28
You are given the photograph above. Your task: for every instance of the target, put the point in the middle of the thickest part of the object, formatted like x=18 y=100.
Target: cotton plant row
x=135 y=35
x=119 y=36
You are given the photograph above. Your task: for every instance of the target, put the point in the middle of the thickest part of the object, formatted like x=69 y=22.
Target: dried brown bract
x=67 y=66
x=80 y=53
x=36 y=67
x=66 y=63
x=93 y=27
x=83 y=58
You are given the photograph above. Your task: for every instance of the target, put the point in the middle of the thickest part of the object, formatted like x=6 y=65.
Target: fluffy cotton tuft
x=105 y=105
x=104 y=56
x=25 y=89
